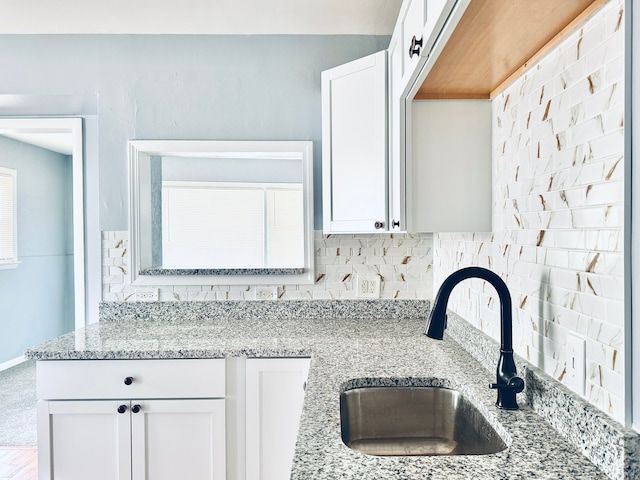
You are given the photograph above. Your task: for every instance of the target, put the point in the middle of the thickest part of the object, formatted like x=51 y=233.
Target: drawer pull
x=136 y=408
x=128 y=380
x=122 y=408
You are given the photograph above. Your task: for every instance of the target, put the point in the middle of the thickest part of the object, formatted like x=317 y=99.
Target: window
x=8 y=219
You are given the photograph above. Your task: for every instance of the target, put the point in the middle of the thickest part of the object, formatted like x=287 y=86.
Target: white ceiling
x=317 y=17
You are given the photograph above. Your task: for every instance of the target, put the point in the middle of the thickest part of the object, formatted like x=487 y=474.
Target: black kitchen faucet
x=507 y=381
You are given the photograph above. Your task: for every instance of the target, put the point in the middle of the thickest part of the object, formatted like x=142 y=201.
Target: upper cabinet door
x=412 y=20
x=354 y=146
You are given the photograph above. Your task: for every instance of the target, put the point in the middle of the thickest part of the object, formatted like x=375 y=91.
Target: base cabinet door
x=173 y=439
x=132 y=440
x=274 y=398
x=83 y=440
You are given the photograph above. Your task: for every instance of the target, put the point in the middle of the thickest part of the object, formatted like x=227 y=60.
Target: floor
x=18 y=463
x=18 y=460
x=18 y=405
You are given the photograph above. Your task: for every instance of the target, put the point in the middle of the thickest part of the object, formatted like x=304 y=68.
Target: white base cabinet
x=96 y=420
x=274 y=398
x=195 y=419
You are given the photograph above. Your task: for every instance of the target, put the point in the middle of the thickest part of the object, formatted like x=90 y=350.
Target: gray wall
x=36 y=299
x=183 y=87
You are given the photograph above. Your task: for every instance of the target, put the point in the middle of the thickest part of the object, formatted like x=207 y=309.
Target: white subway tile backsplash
x=613 y=119
x=558 y=172
x=608 y=144
x=606 y=378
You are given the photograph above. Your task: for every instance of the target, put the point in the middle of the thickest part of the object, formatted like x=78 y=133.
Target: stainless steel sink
x=415 y=421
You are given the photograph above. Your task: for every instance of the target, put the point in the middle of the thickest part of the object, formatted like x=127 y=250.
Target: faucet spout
x=507 y=381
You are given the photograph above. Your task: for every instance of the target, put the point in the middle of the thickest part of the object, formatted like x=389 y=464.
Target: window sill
x=9 y=265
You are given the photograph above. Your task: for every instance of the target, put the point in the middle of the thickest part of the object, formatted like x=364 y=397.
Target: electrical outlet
x=267 y=293
x=146 y=294
x=368 y=286
x=575 y=363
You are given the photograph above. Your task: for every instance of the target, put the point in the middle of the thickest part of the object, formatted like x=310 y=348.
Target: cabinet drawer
x=93 y=379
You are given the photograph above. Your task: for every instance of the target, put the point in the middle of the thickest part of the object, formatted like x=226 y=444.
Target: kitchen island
x=345 y=352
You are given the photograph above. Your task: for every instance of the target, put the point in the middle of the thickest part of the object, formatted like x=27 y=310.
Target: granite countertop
x=345 y=352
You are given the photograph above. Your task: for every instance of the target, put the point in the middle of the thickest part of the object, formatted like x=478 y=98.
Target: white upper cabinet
x=388 y=170
x=419 y=25
x=442 y=148
x=354 y=146
x=446 y=141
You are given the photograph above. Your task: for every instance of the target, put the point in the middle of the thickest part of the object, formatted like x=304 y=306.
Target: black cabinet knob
x=414 y=48
x=128 y=380
x=122 y=408
x=378 y=225
x=395 y=223
x=136 y=408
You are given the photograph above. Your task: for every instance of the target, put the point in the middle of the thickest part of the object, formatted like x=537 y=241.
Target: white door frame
x=72 y=126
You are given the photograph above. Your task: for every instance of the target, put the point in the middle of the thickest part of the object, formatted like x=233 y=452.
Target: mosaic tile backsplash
x=557 y=236
x=403 y=263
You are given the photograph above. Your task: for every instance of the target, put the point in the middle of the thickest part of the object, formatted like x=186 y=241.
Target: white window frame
x=12 y=176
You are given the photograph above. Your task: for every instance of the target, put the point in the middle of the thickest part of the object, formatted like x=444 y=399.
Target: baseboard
x=12 y=363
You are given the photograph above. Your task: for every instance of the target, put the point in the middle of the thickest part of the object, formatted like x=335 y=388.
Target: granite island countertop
x=347 y=352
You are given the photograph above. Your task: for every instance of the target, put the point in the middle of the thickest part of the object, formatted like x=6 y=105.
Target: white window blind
x=216 y=225
x=286 y=237
x=8 y=219
x=208 y=227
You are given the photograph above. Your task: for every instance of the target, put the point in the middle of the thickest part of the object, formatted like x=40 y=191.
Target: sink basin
x=415 y=421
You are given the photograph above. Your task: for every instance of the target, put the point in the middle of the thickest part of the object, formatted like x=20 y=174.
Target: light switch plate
x=575 y=363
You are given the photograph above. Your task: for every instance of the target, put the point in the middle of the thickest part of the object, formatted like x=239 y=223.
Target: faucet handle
x=516 y=385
